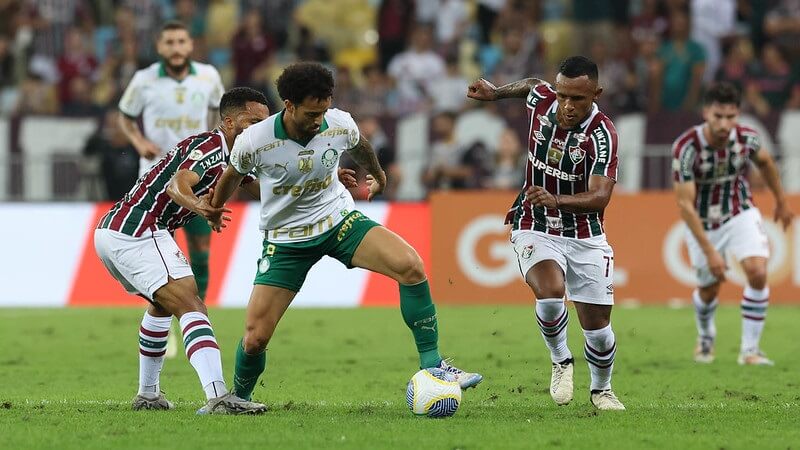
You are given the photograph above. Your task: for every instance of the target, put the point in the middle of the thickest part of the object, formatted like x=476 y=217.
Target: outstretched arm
x=365 y=156
x=486 y=91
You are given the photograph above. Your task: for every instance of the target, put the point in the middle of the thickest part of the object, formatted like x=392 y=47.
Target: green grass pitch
x=336 y=379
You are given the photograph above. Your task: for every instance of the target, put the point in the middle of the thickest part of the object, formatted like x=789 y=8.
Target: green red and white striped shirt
x=720 y=174
x=561 y=161
x=147 y=206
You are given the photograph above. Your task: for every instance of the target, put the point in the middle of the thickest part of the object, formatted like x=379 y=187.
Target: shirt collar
x=162 y=69
x=280 y=131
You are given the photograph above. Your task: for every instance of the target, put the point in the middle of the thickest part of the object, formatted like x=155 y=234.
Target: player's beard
x=177 y=68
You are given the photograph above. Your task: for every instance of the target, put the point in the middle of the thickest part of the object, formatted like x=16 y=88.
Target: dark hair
x=723 y=93
x=578 y=66
x=305 y=79
x=171 y=25
x=237 y=98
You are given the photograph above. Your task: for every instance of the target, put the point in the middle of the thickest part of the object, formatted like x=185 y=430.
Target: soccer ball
x=433 y=392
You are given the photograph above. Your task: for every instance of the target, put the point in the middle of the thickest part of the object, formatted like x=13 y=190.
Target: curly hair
x=305 y=79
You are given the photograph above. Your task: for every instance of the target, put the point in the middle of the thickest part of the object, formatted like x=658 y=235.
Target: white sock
x=552 y=317
x=152 y=345
x=599 y=351
x=704 y=316
x=203 y=352
x=754 y=311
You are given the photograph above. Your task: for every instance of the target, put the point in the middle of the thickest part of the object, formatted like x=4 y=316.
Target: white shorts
x=742 y=236
x=141 y=264
x=588 y=264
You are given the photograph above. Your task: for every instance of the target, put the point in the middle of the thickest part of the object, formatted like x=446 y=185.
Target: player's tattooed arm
x=486 y=91
x=365 y=156
x=769 y=172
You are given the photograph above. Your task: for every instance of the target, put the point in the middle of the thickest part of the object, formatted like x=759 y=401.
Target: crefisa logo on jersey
x=329 y=158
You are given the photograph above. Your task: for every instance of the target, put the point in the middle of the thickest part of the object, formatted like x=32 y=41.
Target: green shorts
x=198 y=226
x=286 y=265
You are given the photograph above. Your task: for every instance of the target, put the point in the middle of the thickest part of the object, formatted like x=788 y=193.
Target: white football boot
x=754 y=358
x=561 y=386
x=605 y=400
x=231 y=404
x=151 y=401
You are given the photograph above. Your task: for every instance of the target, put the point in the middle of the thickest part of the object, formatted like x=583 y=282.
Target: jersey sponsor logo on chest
x=552 y=171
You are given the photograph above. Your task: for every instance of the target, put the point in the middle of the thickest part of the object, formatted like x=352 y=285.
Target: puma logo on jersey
x=284 y=166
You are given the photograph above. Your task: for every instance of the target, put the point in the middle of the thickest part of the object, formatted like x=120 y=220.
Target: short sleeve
x=751 y=141
x=605 y=142
x=683 y=156
x=243 y=157
x=353 y=134
x=216 y=90
x=132 y=102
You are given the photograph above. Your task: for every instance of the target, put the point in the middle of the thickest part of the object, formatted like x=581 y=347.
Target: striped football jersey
x=561 y=161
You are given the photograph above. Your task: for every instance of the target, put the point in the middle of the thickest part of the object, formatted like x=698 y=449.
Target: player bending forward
x=134 y=241
x=306 y=214
x=557 y=219
x=710 y=165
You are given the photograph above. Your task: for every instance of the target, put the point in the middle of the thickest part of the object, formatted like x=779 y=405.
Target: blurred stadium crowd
x=397 y=58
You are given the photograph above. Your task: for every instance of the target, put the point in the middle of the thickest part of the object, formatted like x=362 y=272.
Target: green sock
x=199 y=262
x=248 y=369
x=419 y=313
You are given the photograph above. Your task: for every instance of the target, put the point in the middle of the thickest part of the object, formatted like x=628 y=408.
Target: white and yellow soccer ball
x=433 y=392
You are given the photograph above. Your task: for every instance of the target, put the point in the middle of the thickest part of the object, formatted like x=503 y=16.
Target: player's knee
x=255 y=341
x=546 y=288
x=709 y=293
x=411 y=269
x=757 y=278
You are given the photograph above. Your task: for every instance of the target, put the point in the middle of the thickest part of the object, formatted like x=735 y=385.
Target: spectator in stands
x=517 y=57
x=613 y=76
x=76 y=61
x=447 y=92
x=36 y=96
x=8 y=82
x=446 y=169
x=79 y=99
x=782 y=24
x=252 y=47
x=679 y=72
x=147 y=17
x=348 y=95
x=118 y=160
x=415 y=69
x=712 y=21
x=395 y=21
x=379 y=99
x=649 y=23
x=509 y=167
x=371 y=129
x=309 y=48
x=593 y=23
x=737 y=63
x=487 y=13
x=451 y=24
x=772 y=86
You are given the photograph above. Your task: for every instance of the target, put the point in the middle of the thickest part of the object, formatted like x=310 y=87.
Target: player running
x=306 y=214
x=710 y=165
x=557 y=219
x=175 y=98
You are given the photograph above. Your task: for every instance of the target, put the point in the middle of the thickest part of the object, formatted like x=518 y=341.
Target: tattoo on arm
x=518 y=89
x=365 y=156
